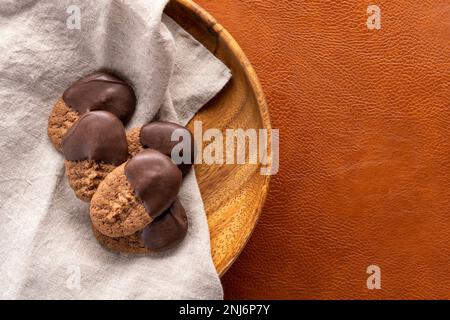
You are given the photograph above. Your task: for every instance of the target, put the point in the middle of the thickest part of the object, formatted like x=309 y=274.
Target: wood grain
x=233 y=194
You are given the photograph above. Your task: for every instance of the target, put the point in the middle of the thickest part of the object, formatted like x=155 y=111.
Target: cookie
x=155 y=180
x=60 y=120
x=167 y=230
x=134 y=144
x=134 y=194
x=158 y=136
x=85 y=176
x=161 y=234
x=94 y=145
x=129 y=244
x=97 y=91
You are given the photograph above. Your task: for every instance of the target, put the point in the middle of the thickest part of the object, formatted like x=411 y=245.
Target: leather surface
x=364 y=119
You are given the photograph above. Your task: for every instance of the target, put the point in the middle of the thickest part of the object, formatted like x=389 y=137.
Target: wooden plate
x=233 y=194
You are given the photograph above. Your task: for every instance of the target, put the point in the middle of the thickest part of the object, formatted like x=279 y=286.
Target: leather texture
x=364 y=119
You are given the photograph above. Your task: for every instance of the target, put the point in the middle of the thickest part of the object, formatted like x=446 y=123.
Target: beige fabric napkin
x=47 y=248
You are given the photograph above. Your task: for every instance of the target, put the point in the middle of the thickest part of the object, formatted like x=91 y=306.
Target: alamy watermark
x=229 y=146
x=374 y=19
x=74 y=19
x=73 y=281
x=374 y=280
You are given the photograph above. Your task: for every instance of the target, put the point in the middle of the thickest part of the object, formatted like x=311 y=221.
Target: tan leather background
x=364 y=118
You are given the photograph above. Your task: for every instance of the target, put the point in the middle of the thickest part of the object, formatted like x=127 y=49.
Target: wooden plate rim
x=254 y=83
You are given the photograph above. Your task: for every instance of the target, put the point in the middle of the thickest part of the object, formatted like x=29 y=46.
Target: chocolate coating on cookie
x=101 y=91
x=154 y=179
x=167 y=230
x=158 y=135
x=96 y=135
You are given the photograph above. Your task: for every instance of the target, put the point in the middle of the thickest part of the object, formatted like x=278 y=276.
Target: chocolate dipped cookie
x=97 y=91
x=135 y=194
x=163 y=233
x=94 y=145
x=164 y=137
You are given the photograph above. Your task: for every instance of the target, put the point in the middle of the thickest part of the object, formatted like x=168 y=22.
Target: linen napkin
x=47 y=248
